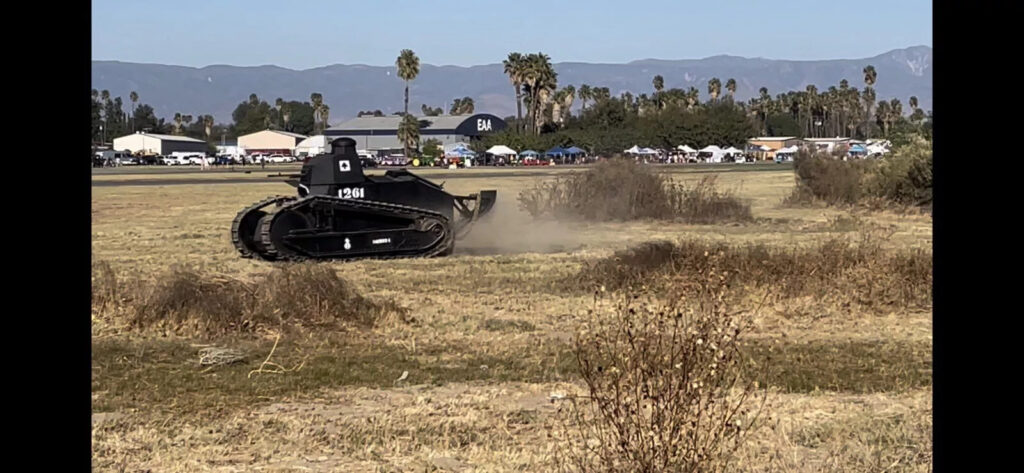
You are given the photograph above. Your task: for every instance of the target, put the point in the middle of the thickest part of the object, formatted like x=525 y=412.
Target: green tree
x=432 y=149
x=730 y=85
x=409 y=133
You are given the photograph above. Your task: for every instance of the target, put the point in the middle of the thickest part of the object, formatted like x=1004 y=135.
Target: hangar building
x=381 y=133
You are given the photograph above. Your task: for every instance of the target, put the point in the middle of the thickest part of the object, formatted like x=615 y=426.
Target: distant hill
x=351 y=88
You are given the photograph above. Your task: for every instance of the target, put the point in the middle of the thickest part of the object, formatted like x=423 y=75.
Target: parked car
x=257 y=158
x=223 y=159
x=151 y=160
x=198 y=159
x=367 y=162
x=127 y=161
x=394 y=160
x=278 y=159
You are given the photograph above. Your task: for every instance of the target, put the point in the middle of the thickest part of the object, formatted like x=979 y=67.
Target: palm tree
x=584 y=95
x=882 y=114
x=912 y=102
x=692 y=97
x=278 y=104
x=714 y=88
x=562 y=103
x=810 y=102
x=870 y=77
x=540 y=81
x=659 y=83
x=134 y=97
x=868 y=98
x=325 y=112
x=317 y=100
x=253 y=99
x=208 y=125
x=730 y=85
x=177 y=123
x=409 y=132
x=514 y=71
x=286 y=115
x=408 y=68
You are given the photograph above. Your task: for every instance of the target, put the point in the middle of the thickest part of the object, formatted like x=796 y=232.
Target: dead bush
x=664 y=392
x=288 y=297
x=620 y=190
x=705 y=203
x=843 y=270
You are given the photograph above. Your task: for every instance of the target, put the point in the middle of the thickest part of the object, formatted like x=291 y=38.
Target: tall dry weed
x=664 y=391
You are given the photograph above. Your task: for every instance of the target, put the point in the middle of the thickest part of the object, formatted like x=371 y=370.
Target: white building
x=152 y=144
x=270 y=142
x=312 y=146
x=827 y=144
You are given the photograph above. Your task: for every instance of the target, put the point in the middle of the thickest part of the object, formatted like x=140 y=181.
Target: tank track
x=236 y=224
x=266 y=249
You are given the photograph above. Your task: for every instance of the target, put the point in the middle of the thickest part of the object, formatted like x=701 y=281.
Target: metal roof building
x=155 y=144
x=381 y=133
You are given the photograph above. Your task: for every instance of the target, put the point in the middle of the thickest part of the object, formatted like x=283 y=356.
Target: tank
x=340 y=213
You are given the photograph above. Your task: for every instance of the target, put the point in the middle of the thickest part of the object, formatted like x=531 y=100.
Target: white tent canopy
x=731 y=150
x=685 y=149
x=634 y=150
x=788 y=149
x=711 y=149
x=501 y=150
x=764 y=148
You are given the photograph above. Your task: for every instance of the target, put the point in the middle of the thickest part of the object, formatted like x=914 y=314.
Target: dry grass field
x=468 y=372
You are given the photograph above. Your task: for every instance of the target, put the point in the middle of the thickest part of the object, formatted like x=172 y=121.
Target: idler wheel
x=247 y=231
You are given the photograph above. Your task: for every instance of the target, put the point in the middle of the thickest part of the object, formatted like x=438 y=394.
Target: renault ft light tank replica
x=342 y=214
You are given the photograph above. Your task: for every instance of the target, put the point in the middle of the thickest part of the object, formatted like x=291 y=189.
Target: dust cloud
x=507 y=230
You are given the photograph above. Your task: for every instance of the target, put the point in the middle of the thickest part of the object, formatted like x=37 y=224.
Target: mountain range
x=348 y=89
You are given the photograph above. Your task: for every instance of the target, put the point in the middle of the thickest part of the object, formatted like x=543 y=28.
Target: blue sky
x=304 y=34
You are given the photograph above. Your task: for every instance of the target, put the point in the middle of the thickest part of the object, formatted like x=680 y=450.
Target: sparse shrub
x=621 y=189
x=842 y=270
x=290 y=296
x=664 y=392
